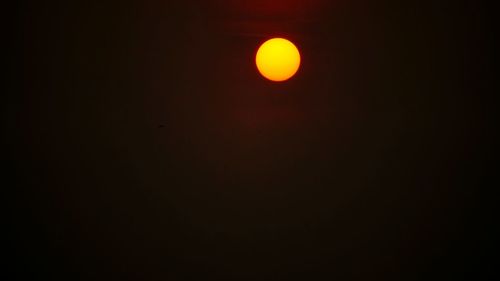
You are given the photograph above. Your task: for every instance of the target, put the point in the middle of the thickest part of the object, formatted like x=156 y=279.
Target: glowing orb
x=278 y=59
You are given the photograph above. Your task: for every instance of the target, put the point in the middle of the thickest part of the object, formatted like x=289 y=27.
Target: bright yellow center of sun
x=278 y=59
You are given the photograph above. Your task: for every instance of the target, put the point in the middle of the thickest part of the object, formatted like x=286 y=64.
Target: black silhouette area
x=142 y=143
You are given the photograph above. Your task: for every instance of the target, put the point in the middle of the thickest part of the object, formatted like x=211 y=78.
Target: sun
x=278 y=59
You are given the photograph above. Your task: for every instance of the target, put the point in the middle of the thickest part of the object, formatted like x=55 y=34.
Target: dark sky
x=144 y=145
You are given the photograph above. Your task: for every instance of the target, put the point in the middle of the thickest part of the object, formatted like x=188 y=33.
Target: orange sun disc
x=278 y=59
